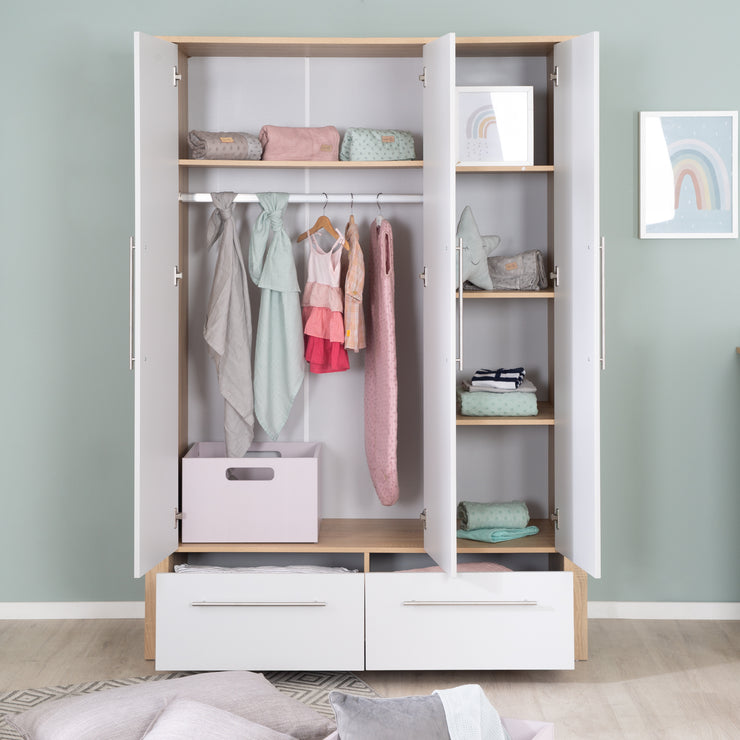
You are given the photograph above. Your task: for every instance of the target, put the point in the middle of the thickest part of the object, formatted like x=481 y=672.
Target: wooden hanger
x=322 y=222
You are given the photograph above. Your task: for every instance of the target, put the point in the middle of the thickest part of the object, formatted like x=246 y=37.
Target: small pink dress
x=381 y=380
x=322 y=304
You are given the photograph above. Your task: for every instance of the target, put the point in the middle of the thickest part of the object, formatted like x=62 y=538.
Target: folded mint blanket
x=497 y=534
x=474 y=515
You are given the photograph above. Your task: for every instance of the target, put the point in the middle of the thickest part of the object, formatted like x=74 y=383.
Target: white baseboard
x=72 y=610
x=663 y=610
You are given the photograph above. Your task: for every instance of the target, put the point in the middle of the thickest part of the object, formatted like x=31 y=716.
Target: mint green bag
x=372 y=144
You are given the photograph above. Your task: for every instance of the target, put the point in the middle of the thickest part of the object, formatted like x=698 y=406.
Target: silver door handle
x=258 y=603
x=459 y=358
x=131 y=303
x=469 y=603
x=602 y=302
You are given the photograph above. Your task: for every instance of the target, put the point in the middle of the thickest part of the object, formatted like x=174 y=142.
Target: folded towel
x=501 y=378
x=512 y=403
x=223 y=145
x=299 y=143
x=497 y=534
x=527 y=386
x=475 y=515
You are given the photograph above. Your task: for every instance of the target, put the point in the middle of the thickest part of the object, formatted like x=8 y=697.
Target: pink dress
x=381 y=380
x=322 y=305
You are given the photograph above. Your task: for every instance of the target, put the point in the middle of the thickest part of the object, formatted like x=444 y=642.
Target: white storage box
x=271 y=495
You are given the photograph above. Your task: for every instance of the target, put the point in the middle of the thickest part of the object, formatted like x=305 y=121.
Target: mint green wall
x=671 y=391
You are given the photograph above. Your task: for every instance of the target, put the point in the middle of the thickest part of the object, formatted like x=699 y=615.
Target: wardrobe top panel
x=244 y=46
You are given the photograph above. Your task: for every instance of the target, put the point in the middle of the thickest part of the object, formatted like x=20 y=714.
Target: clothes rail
x=379 y=199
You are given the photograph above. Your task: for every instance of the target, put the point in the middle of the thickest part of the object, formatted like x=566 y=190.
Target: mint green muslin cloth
x=497 y=534
x=278 y=354
x=475 y=515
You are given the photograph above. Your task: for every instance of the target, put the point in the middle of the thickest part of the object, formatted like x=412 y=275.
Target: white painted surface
x=253 y=637
x=155 y=303
x=439 y=306
x=470 y=636
x=576 y=326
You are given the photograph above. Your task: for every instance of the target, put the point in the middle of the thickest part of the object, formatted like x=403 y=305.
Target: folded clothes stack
x=502 y=392
x=501 y=379
x=497 y=522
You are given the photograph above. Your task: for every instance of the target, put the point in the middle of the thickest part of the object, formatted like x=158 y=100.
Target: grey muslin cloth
x=228 y=328
x=224 y=145
x=278 y=352
x=525 y=271
x=474 y=515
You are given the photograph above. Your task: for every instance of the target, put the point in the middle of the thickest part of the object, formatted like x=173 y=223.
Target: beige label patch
x=511 y=265
x=325 y=148
x=388 y=139
x=226 y=139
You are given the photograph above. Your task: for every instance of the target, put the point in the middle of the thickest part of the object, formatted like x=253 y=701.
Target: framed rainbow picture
x=495 y=126
x=688 y=175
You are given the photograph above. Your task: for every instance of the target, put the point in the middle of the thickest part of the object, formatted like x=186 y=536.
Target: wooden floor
x=645 y=679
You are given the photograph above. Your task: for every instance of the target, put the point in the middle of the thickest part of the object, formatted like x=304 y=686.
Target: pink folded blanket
x=289 y=142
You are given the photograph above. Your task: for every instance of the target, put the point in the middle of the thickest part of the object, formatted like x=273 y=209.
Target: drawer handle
x=469 y=603
x=257 y=603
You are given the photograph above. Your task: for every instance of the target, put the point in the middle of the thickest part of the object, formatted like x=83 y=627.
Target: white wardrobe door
x=577 y=326
x=439 y=302
x=155 y=303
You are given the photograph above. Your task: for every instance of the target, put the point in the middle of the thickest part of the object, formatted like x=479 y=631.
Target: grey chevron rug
x=309 y=687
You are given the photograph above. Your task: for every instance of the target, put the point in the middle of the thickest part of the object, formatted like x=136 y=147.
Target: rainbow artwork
x=701 y=164
x=483 y=142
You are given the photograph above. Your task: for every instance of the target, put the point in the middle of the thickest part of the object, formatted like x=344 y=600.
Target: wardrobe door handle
x=469 y=603
x=131 y=303
x=602 y=302
x=258 y=603
x=459 y=358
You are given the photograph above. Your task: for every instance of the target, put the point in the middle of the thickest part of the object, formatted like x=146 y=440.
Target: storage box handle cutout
x=247 y=474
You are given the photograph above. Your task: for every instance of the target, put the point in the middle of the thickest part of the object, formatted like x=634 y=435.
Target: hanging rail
x=379 y=199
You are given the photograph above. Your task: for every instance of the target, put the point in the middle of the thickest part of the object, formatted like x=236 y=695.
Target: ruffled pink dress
x=322 y=306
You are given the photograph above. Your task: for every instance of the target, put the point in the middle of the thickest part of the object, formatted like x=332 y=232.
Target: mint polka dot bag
x=376 y=145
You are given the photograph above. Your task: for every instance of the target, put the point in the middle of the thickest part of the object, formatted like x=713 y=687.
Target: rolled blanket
x=224 y=145
x=498 y=534
x=372 y=144
x=319 y=143
x=474 y=515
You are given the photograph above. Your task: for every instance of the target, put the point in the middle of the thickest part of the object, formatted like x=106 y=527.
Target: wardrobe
x=377 y=617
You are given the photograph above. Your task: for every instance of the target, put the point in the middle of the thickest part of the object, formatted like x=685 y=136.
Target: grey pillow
x=126 y=713
x=476 y=250
x=408 y=717
x=184 y=718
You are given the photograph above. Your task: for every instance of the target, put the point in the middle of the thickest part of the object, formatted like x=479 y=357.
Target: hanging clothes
x=381 y=380
x=228 y=327
x=278 y=354
x=354 y=283
x=323 y=322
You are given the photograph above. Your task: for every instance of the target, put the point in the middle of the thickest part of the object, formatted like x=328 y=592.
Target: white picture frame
x=495 y=125
x=688 y=175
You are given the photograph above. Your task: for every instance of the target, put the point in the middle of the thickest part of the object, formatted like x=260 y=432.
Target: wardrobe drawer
x=471 y=621
x=260 y=621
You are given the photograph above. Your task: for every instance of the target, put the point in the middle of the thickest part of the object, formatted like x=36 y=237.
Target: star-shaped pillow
x=476 y=250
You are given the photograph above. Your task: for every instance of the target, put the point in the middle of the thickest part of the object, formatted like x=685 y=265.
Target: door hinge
x=176 y=275
x=555 y=76
x=423 y=276
x=423 y=77
x=178 y=517
x=556 y=518
x=423 y=517
x=176 y=77
x=555 y=276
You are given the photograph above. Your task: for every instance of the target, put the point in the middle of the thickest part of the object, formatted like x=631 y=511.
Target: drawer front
x=260 y=621
x=473 y=621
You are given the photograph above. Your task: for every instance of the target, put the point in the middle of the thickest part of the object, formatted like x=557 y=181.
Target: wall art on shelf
x=688 y=175
x=495 y=126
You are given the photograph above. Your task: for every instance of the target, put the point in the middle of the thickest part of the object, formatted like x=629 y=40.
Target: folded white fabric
x=469 y=714
x=527 y=386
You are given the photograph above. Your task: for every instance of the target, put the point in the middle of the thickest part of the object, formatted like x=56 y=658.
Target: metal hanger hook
x=351 y=202
x=377 y=201
x=326 y=201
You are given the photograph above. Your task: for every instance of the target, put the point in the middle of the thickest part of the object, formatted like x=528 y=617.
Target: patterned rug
x=310 y=688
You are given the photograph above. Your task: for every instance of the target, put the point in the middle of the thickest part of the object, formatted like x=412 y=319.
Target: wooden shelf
x=545 y=417
x=369 y=536
x=302 y=164
x=547 y=293
x=504 y=168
